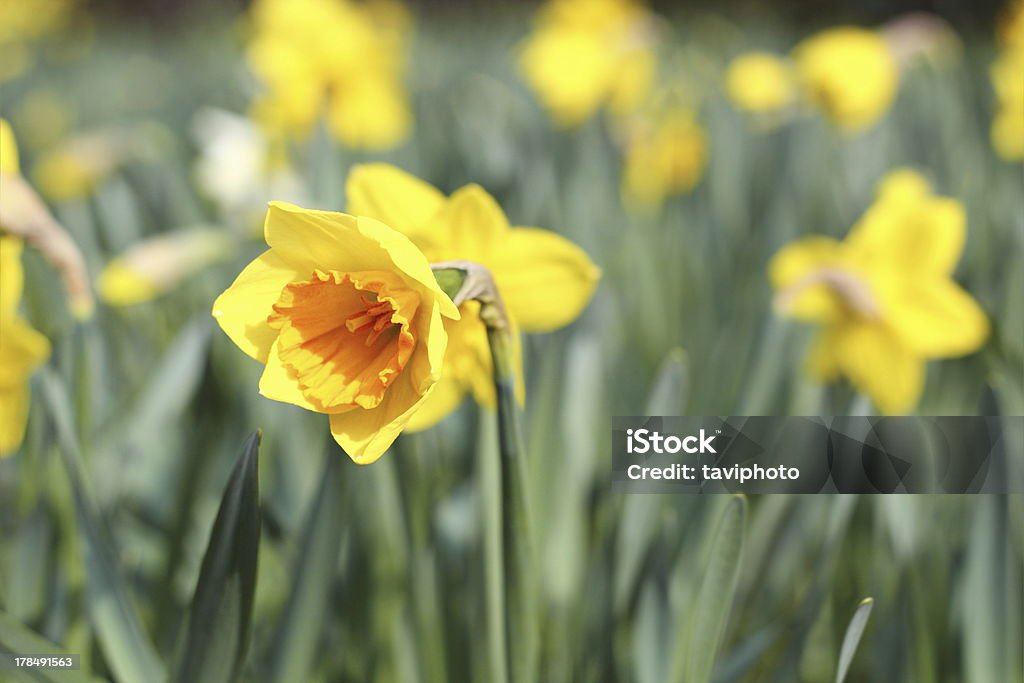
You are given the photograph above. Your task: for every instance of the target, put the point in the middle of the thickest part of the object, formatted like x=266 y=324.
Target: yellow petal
x=14 y=402
x=791 y=271
x=242 y=310
x=425 y=367
x=398 y=199
x=12 y=276
x=880 y=366
x=473 y=223
x=371 y=112
x=925 y=236
x=822 y=363
x=367 y=434
x=277 y=384
x=8 y=149
x=443 y=399
x=936 y=318
x=22 y=350
x=326 y=240
x=545 y=280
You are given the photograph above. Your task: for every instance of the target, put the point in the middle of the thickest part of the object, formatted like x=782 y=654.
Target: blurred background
x=156 y=131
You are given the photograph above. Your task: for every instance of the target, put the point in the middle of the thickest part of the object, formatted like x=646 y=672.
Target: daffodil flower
x=585 y=54
x=666 y=152
x=850 y=74
x=337 y=58
x=1007 y=74
x=22 y=349
x=347 y=316
x=544 y=279
x=884 y=297
x=760 y=83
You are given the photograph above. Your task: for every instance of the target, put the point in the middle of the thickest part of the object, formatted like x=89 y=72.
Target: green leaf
x=299 y=631
x=852 y=638
x=16 y=639
x=124 y=642
x=715 y=596
x=220 y=617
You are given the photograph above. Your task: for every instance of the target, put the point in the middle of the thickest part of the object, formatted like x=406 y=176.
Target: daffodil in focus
x=884 y=297
x=666 y=153
x=340 y=59
x=544 y=279
x=22 y=349
x=586 y=54
x=1007 y=75
x=159 y=264
x=760 y=83
x=850 y=74
x=347 y=317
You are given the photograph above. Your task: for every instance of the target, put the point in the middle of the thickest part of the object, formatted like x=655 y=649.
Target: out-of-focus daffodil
x=666 y=152
x=585 y=54
x=43 y=116
x=21 y=24
x=22 y=349
x=157 y=265
x=1007 y=75
x=544 y=279
x=338 y=58
x=850 y=74
x=347 y=316
x=884 y=296
x=760 y=82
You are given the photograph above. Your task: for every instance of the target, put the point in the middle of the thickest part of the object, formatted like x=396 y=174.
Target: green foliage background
x=378 y=573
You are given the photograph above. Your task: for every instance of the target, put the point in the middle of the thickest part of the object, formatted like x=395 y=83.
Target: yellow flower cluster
x=848 y=73
x=21 y=24
x=1008 y=82
x=884 y=296
x=586 y=54
x=341 y=59
x=22 y=349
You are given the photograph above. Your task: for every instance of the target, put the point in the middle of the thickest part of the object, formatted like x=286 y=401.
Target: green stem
x=516 y=550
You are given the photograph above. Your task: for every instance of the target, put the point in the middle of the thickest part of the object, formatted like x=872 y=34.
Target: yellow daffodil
x=585 y=54
x=21 y=24
x=22 y=349
x=544 y=279
x=760 y=82
x=665 y=156
x=1007 y=73
x=850 y=74
x=884 y=296
x=159 y=264
x=347 y=316
x=341 y=58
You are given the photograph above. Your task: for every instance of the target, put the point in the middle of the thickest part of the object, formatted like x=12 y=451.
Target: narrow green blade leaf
x=299 y=631
x=119 y=630
x=220 y=617
x=852 y=638
x=16 y=639
x=715 y=595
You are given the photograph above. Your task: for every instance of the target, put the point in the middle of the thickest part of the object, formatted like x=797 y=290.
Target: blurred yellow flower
x=22 y=23
x=585 y=54
x=665 y=155
x=22 y=349
x=545 y=280
x=347 y=316
x=159 y=264
x=760 y=82
x=850 y=74
x=1007 y=73
x=884 y=296
x=339 y=57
